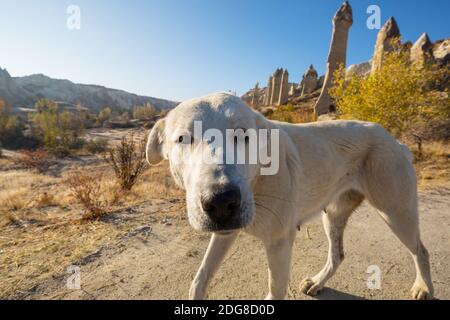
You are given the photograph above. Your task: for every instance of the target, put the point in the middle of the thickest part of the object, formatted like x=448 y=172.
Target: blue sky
x=186 y=48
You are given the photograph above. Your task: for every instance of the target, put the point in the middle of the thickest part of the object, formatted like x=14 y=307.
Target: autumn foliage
x=400 y=96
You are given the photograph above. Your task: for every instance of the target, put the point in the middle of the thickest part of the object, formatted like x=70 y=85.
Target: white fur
x=325 y=166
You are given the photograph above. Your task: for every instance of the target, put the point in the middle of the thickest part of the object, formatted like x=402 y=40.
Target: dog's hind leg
x=334 y=221
x=402 y=218
x=392 y=189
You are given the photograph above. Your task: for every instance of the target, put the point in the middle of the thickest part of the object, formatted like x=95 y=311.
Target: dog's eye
x=241 y=133
x=186 y=139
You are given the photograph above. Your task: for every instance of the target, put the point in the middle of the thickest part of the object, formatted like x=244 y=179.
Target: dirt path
x=159 y=259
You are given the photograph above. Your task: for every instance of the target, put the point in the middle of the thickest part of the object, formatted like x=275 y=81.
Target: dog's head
x=204 y=140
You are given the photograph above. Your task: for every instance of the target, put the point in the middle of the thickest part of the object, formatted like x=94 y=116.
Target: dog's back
x=348 y=139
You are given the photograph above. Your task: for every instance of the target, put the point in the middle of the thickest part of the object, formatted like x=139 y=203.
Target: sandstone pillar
x=309 y=80
x=284 y=88
x=422 y=51
x=255 y=96
x=386 y=38
x=342 y=22
x=268 y=93
x=292 y=90
x=276 y=86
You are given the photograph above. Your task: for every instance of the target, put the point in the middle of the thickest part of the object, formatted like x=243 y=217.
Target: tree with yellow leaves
x=399 y=96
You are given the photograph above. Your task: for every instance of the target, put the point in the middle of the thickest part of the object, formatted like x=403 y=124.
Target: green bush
x=59 y=131
x=10 y=125
x=144 y=112
x=104 y=115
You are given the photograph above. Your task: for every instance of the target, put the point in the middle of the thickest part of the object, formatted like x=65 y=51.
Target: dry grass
x=41 y=226
x=34 y=254
x=18 y=192
x=291 y=114
x=157 y=183
x=35 y=240
x=433 y=165
x=13 y=200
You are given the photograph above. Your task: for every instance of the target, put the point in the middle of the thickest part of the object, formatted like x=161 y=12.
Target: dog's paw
x=195 y=293
x=310 y=287
x=270 y=297
x=421 y=292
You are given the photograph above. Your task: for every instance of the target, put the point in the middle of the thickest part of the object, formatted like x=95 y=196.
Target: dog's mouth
x=225 y=233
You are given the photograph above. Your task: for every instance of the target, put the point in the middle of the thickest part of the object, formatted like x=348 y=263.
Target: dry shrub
x=38 y=160
x=14 y=200
x=431 y=151
x=96 y=146
x=432 y=163
x=45 y=200
x=128 y=161
x=86 y=190
x=111 y=192
x=433 y=130
x=304 y=115
x=11 y=202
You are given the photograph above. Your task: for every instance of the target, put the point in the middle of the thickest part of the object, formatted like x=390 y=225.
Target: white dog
x=328 y=167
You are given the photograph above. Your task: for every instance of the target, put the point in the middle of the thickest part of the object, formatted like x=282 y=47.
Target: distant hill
x=23 y=92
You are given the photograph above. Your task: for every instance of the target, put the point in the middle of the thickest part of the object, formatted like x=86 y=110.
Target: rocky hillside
x=25 y=91
x=13 y=93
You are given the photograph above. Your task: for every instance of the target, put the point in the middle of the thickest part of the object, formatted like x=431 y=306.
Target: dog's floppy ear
x=154 y=151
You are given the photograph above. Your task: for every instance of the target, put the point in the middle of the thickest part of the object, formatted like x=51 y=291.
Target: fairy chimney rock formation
x=422 y=51
x=441 y=51
x=292 y=90
x=284 y=89
x=268 y=92
x=386 y=38
x=360 y=70
x=309 y=80
x=255 y=96
x=342 y=22
x=276 y=86
x=277 y=91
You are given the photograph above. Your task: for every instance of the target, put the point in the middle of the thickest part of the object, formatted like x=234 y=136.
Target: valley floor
x=144 y=247
x=158 y=258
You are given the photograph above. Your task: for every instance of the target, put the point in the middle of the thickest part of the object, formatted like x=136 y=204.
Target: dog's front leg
x=217 y=249
x=279 y=257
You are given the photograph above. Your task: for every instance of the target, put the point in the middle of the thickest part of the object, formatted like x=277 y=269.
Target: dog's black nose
x=222 y=204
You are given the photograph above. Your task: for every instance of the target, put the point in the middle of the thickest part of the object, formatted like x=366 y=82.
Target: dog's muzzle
x=223 y=208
